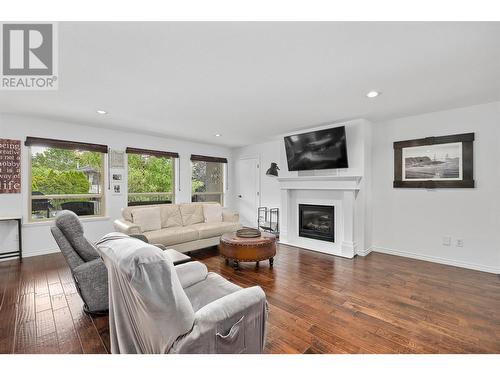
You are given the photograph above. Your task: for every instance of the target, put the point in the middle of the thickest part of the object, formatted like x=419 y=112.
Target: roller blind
x=132 y=150
x=68 y=145
x=208 y=159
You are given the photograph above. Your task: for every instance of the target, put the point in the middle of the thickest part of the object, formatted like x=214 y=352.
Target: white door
x=247 y=190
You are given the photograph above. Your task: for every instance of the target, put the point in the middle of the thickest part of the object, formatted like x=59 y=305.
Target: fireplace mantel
x=320 y=182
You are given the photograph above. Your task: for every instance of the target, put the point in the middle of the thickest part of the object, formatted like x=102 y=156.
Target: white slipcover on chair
x=155 y=307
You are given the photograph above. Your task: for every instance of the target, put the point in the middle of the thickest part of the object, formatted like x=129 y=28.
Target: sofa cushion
x=212 y=213
x=127 y=212
x=208 y=230
x=191 y=213
x=147 y=218
x=170 y=216
x=228 y=215
x=172 y=236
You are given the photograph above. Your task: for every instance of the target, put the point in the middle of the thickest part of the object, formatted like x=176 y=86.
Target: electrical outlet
x=446 y=241
x=460 y=242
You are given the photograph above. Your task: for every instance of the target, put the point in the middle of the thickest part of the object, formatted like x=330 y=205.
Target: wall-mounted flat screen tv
x=321 y=149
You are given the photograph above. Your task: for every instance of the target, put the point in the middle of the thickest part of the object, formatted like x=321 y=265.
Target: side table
x=19 y=252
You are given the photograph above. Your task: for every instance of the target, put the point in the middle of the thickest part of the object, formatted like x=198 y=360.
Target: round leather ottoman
x=240 y=249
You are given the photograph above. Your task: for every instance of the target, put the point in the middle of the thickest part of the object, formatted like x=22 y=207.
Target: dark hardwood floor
x=317 y=304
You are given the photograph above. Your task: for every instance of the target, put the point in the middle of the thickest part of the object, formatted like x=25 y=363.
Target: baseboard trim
x=428 y=258
x=33 y=254
x=40 y=252
x=364 y=252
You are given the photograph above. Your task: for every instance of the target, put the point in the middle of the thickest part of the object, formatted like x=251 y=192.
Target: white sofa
x=183 y=227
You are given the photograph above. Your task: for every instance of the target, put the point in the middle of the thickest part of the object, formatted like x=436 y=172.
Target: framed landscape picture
x=434 y=162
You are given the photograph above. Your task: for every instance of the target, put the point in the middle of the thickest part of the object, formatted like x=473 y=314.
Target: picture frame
x=116 y=159
x=117 y=189
x=435 y=162
x=118 y=177
x=10 y=166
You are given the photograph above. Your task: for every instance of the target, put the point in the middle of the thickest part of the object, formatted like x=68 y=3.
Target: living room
x=249 y=187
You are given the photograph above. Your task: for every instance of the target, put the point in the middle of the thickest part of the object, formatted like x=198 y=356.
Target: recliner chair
x=157 y=308
x=87 y=268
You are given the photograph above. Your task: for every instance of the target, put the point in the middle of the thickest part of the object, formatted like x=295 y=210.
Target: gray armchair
x=87 y=268
x=158 y=308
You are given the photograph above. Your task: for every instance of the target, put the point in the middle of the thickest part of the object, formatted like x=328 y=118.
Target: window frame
x=101 y=195
x=152 y=153
x=223 y=182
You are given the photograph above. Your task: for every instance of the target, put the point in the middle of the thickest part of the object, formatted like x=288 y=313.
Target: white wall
x=412 y=222
x=37 y=237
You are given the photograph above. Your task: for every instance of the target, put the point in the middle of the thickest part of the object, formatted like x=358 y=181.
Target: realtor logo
x=29 y=59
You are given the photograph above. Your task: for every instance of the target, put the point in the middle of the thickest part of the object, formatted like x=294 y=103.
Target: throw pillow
x=170 y=216
x=212 y=213
x=191 y=213
x=148 y=218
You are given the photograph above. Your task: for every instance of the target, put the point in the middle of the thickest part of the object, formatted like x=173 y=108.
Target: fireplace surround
x=342 y=192
x=317 y=222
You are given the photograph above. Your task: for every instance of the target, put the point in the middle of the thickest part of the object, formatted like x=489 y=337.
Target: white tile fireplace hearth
x=338 y=191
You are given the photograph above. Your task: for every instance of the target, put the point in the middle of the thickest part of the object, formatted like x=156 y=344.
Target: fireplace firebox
x=317 y=222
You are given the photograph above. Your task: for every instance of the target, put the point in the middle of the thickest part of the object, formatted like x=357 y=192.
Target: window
x=207 y=181
x=150 y=176
x=65 y=176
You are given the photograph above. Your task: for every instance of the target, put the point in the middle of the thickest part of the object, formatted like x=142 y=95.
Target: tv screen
x=322 y=149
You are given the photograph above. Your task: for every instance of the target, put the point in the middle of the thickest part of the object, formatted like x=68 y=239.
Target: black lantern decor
x=273 y=170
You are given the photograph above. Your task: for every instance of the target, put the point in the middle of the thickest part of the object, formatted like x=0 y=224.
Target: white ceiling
x=252 y=81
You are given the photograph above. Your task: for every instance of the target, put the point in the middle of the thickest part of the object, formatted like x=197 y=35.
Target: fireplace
x=317 y=222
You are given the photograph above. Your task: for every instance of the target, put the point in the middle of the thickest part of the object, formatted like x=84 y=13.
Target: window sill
x=51 y=221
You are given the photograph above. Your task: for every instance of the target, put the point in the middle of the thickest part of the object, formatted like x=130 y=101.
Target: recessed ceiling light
x=217 y=135
x=373 y=94
x=101 y=112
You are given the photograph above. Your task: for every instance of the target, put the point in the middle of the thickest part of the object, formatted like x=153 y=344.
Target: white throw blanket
x=148 y=309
